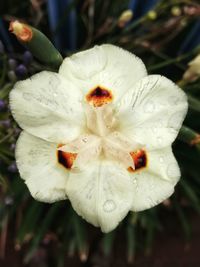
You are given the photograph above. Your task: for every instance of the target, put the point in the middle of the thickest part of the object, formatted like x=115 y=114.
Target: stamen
x=66 y=158
x=140 y=159
x=99 y=96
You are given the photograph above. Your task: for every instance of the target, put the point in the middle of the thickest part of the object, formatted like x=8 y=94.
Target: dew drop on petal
x=175 y=120
x=109 y=206
x=134 y=181
x=149 y=107
x=161 y=159
x=159 y=140
x=173 y=170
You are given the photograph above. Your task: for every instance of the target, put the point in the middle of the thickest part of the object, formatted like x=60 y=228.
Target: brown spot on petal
x=99 y=96
x=140 y=160
x=66 y=159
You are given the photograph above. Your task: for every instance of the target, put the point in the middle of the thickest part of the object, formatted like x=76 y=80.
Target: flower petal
x=152 y=113
x=48 y=107
x=156 y=182
x=38 y=165
x=106 y=66
x=101 y=194
x=122 y=71
x=84 y=65
x=117 y=147
x=87 y=147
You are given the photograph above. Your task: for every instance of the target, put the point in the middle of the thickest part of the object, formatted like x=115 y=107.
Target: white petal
x=100 y=120
x=156 y=182
x=118 y=147
x=122 y=71
x=153 y=111
x=87 y=147
x=38 y=165
x=85 y=64
x=101 y=194
x=108 y=66
x=48 y=107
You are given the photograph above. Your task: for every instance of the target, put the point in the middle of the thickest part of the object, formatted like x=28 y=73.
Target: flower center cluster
x=102 y=138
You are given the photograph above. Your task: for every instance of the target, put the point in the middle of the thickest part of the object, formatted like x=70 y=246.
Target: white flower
x=193 y=72
x=99 y=133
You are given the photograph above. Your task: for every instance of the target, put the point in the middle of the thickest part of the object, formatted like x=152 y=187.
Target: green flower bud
x=38 y=44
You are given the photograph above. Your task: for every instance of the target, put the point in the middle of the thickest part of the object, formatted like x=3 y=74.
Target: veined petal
x=122 y=71
x=101 y=194
x=38 y=165
x=48 y=106
x=153 y=111
x=106 y=66
x=156 y=181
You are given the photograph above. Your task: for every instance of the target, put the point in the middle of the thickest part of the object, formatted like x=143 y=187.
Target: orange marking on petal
x=140 y=160
x=66 y=158
x=99 y=96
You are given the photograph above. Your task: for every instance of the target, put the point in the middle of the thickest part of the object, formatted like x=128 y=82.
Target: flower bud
x=37 y=43
x=193 y=72
x=12 y=76
x=176 y=11
x=125 y=17
x=22 y=31
x=6 y=124
x=27 y=57
x=2 y=105
x=12 y=63
x=152 y=15
x=12 y=168
x=12 y=147
x=21 y=71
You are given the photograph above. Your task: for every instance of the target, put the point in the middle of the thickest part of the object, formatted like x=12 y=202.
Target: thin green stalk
x=189 y=136
x=41 y=231
x=130 y=232
x=194 y=103
x=186 y=227
x=3 y=75
x=107 y=243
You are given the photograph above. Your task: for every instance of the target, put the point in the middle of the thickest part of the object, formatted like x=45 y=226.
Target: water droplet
x=134 y=181
x=161 y=159
x=159 y=140
x=175 y=120
x=173 y=170
x=149 y=107
x=109 y=206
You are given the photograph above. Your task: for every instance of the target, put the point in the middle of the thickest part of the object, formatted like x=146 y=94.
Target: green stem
x=4 y=92
x=131 y=243
x=4 y=62
x=194 y=104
